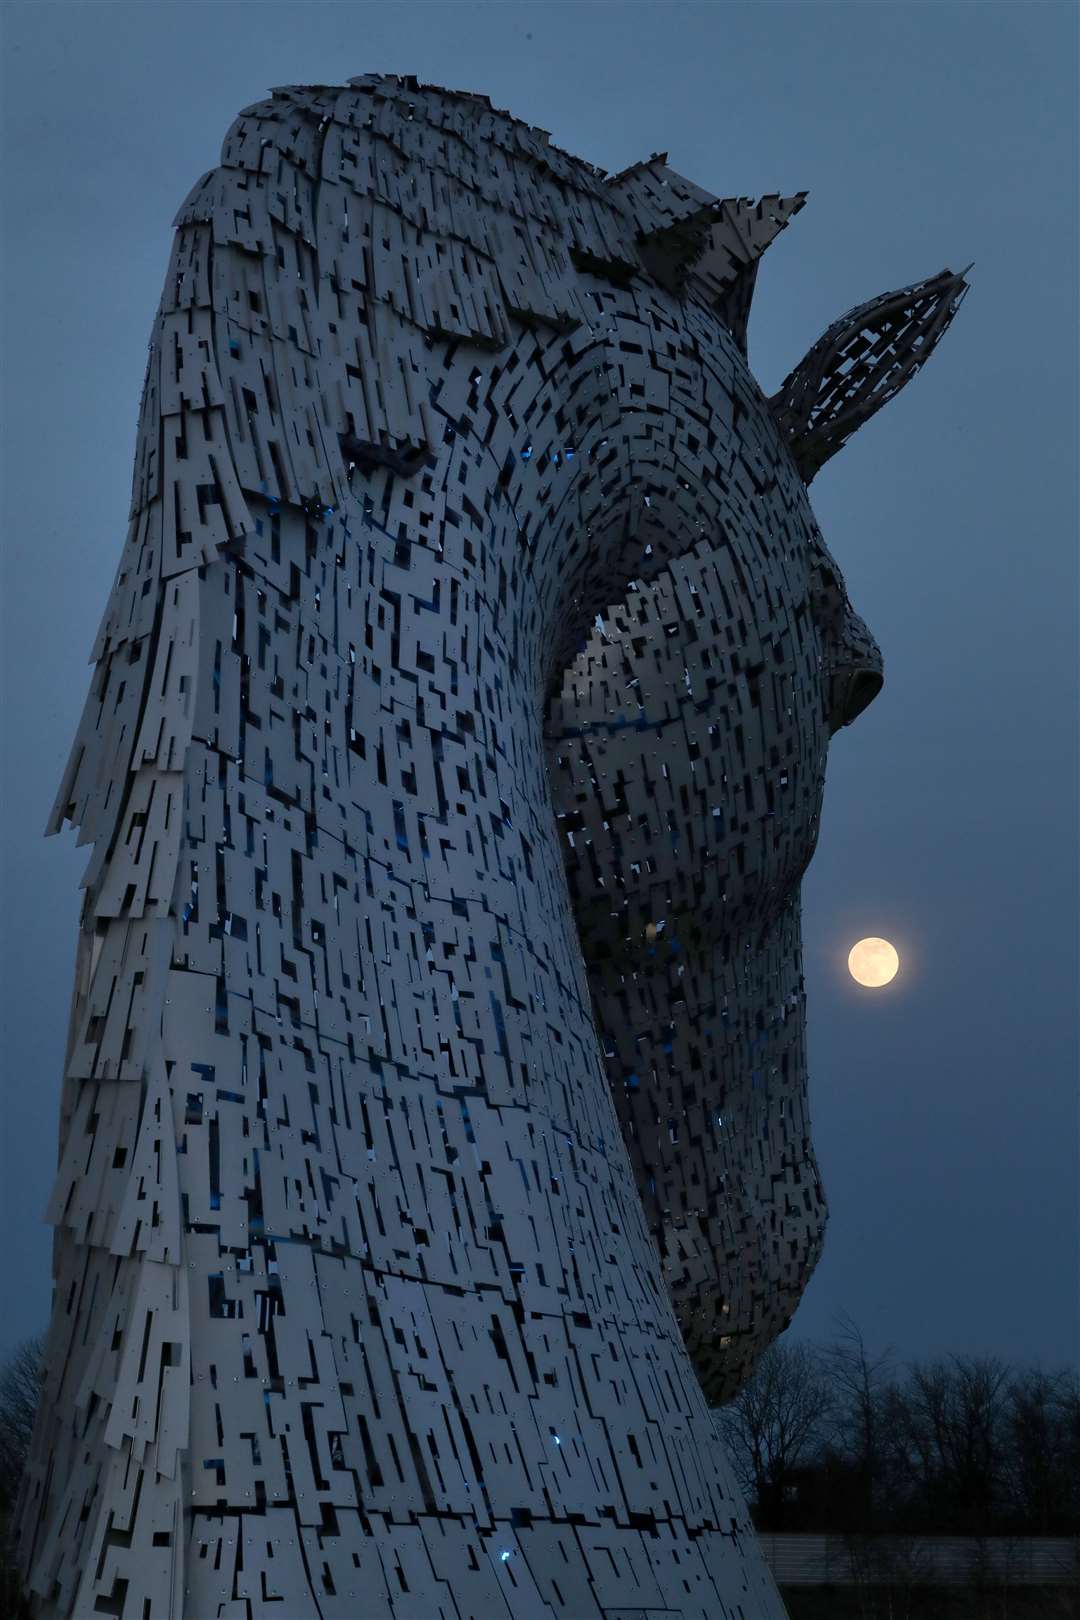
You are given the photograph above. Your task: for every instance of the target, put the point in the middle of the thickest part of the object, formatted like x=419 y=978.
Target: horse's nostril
x=853 y=690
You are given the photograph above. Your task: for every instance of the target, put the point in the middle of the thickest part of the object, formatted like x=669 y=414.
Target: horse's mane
x=345 y=231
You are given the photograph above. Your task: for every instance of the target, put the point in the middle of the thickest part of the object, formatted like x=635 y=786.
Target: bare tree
x=1070 y=1423
x=20 y=1392
x=860 y=1385
x=776 y=1423
x=946 y=1427
x=1042 y=1462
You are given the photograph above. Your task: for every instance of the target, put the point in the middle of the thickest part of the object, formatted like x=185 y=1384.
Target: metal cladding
x=362 y=1229
x=859 y=364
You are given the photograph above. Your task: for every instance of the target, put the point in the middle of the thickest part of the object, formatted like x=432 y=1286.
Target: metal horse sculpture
x=434 y=1145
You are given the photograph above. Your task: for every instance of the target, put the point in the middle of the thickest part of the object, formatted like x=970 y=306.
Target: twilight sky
x=928 y=134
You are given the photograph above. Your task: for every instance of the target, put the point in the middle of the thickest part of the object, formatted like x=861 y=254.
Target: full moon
x=873 y=962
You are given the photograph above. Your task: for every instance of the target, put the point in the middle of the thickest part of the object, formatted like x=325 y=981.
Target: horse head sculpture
x=361 y=1252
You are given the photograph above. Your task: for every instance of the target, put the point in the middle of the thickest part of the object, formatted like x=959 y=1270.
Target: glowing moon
x=873 y=962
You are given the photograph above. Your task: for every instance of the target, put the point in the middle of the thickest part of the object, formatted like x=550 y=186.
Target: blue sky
x=945 y=1108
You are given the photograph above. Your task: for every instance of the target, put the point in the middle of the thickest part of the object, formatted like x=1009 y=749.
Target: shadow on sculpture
x=465 y=558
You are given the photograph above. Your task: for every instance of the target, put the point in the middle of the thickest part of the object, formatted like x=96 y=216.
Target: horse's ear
x=863 y=360
x=728 y=270
x=687 y=239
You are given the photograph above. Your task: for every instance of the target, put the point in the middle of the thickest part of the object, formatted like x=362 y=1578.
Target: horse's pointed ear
x=728 y=269
x=684 y=233
x=863 y=360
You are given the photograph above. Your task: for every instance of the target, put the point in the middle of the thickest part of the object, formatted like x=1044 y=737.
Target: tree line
x=828 y=1438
